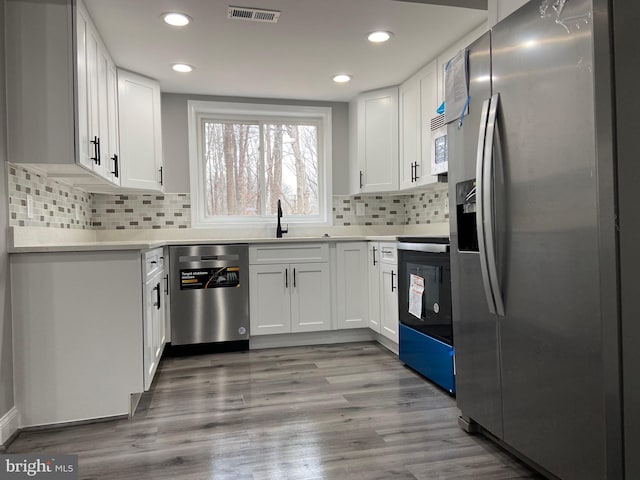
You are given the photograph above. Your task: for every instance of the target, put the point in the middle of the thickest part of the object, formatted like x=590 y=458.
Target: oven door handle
x=424 y=247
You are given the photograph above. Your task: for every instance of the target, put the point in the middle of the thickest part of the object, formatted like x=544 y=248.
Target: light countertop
x=49 y=240
x=147 y=245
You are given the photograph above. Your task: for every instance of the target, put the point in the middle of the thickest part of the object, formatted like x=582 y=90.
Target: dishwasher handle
x=235 y=258
x=232 y=257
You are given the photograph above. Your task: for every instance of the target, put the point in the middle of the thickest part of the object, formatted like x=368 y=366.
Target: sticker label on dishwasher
x=220 y=277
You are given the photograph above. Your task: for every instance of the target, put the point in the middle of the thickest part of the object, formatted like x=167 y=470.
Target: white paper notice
x=416 y=289
x=456 y=88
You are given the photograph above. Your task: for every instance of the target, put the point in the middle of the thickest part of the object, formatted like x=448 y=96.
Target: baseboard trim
x=385 y=342
x=73 y=423
x=312 y=338
x=9 y=427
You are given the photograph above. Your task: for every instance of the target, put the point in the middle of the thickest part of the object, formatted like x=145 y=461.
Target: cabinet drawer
x=290 y=253
x=152 y=262
x=389 y=253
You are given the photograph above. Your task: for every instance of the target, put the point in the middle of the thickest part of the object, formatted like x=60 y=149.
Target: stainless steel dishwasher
x=209 y=293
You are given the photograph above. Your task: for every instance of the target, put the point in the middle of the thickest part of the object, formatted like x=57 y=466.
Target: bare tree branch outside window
x=233 y=163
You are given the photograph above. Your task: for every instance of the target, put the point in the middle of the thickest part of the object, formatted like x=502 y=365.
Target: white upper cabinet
x=63 y=103
x=418 y=105
x=113 y=160
x=83 y=39
x=56 y=100
x=410 y=145
x=97 y=111
x=140 y=132
x=377 y=140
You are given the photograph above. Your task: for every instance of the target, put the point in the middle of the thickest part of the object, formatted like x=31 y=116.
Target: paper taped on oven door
x=416 y=290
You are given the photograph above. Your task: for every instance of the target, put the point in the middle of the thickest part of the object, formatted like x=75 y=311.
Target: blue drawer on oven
x=428 y=356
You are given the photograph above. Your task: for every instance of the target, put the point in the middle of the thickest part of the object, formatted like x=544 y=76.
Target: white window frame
x=199 y=110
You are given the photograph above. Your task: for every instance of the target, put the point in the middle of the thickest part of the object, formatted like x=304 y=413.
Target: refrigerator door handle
x=491 y=150
x=480 y=210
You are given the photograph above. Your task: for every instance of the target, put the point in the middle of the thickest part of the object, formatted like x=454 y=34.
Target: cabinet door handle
x=373 y=251
x=286 y=278
x=416 y=172
x=413 y=165
x=361 y=183
x=392 y=277
x=157 y=290
x=166 y=284
x=294 y=278
x=96 y=150
x=161 y=179
x=115 y=165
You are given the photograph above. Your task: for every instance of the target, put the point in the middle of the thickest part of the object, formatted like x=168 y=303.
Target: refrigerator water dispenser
x=466 y=215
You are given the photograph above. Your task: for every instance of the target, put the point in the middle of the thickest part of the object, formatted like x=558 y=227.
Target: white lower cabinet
x=269 y=299
x=154 y=318
x=373 y=267
x=167 y=296
x=383 y=289
x=289 y=297
x=389 y=301
x=79 y=349
x=352 y=293
x=310 y=297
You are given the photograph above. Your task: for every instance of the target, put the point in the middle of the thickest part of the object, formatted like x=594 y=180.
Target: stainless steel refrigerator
x=544 y=179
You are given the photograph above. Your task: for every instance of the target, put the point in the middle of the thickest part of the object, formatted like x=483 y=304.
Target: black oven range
x=424 y=289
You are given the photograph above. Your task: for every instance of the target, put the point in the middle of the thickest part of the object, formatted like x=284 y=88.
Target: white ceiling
x=294 y=58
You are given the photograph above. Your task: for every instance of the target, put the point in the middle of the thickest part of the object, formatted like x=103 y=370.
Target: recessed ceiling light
x=176 y=19
x=182 y=67
x=379 y=36
x=341 y=78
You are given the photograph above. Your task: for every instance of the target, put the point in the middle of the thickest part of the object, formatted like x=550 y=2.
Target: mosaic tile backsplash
x=429 y=206
x=119 y=212
x=422 y=207
x=56 y=204
x=378 y=210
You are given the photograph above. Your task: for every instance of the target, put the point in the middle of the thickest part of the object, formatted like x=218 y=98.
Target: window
x=244 y=157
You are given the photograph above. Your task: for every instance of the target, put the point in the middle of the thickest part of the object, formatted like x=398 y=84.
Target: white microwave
x=439 y=146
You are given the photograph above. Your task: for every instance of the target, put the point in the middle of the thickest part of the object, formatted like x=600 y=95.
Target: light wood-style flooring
x=333 y=412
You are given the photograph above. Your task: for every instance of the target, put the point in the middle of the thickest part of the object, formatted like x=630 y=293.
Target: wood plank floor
x=347 y=412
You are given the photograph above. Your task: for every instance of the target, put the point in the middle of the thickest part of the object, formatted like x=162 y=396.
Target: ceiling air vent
x=253 y=14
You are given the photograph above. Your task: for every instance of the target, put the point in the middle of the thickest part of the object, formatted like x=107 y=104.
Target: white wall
x=6 y=346
x=176 y=149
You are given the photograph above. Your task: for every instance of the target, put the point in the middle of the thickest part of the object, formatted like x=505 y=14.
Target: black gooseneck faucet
x=279 y=229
